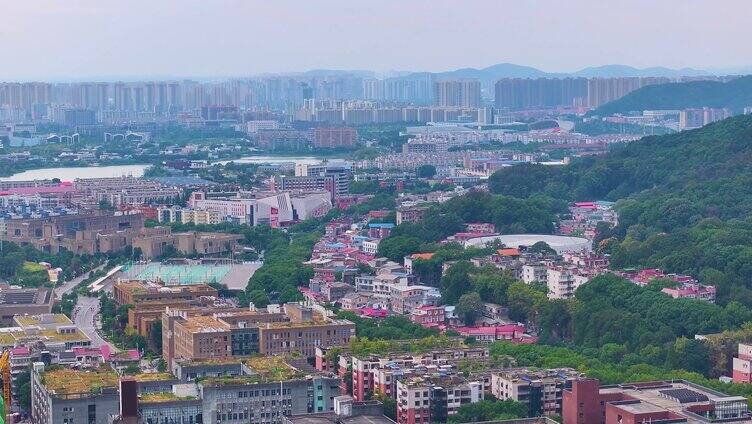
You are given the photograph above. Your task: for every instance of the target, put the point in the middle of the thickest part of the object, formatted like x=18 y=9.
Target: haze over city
x=375 y=212
x=76 y=40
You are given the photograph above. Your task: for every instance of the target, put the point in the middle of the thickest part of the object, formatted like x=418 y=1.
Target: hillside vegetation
x=684 y=201
x=735 y=95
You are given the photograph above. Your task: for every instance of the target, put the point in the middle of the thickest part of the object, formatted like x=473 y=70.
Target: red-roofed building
x=511 y=251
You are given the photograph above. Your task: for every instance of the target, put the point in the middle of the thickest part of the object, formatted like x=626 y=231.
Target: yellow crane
x=5 y=374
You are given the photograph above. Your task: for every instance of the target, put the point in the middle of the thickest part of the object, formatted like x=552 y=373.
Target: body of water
x=70 y=174
x=276 y=160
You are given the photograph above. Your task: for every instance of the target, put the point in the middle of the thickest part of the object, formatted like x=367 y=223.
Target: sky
x=80 y=39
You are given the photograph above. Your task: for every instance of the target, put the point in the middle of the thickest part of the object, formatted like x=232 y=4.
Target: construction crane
x=5 y=374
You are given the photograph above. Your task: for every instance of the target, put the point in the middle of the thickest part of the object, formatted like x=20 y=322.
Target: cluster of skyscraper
x=35 y=100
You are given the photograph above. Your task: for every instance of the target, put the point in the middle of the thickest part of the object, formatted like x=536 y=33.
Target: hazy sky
x=45 y=39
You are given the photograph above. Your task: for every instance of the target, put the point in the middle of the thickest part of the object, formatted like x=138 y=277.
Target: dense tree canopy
x=684 y=201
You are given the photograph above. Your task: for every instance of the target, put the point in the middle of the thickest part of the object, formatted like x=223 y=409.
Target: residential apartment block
x=540 y=390
x=423 y=400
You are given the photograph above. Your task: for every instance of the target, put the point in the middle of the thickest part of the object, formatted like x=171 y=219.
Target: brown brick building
x=304 y=337
x=98 y=232
x=195 y=334
x=155 y=242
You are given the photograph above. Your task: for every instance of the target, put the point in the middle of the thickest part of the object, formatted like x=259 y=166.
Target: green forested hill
x=685 y=201
x=735 y=95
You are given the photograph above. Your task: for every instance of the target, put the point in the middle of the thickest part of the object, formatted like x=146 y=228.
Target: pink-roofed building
x=90 y=355
x=586 y=205
x=120 y=358
x=20 y=359
x=312 y=295
x=324 y=274
x=369 y=312
x=642 y=277
x=510 y=332
x=691 y=291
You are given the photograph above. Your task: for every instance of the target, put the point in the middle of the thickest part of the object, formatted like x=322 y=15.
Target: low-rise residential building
x=539 y=390
x=686 y=286
x=411 y=214
x=423 y=400
x=380 y=373
x=691 y=291
x=370 y=247
x=428 y=316
x=480 y=227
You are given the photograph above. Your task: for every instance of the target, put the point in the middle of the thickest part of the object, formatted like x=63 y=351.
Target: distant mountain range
x=510 y=70
x=487 y=75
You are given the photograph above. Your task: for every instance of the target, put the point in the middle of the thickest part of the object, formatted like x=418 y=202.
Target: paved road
x=84 y=315
x=68 y=286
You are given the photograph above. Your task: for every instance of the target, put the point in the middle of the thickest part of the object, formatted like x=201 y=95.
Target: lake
x=276 y=160
x=70 y=174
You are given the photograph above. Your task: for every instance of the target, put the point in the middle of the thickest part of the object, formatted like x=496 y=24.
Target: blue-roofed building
x=381 y=225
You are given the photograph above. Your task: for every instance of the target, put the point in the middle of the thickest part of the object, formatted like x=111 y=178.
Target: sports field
x=235 y=276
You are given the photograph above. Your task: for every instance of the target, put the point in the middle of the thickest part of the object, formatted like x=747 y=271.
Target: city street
x=84 y=316
x=69 y=285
